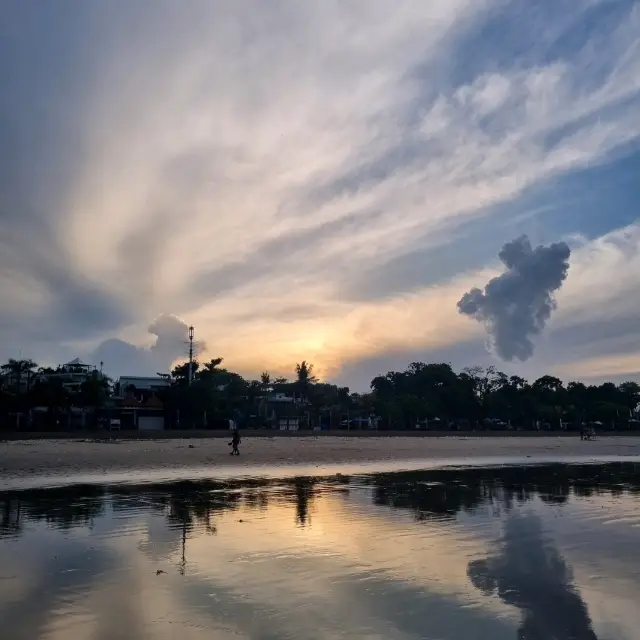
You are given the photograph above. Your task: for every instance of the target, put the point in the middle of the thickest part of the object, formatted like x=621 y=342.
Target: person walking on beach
x=235 y=441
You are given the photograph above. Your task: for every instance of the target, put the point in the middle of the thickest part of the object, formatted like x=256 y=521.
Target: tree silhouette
x=304 y=378
x=430 y=395
x=18 y=370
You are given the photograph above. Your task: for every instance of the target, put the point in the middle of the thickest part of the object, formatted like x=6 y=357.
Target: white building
x=142 y=383
x=138 y=403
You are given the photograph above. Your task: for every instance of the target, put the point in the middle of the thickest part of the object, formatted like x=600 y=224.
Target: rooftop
x=76 y=362
x=145 y=378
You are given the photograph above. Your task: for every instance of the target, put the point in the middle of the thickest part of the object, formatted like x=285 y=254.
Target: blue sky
x=317 y=181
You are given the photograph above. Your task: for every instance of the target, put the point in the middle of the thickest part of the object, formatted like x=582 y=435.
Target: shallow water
x=535 y=553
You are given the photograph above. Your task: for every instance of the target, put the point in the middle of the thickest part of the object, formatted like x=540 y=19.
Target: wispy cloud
x=250 y=166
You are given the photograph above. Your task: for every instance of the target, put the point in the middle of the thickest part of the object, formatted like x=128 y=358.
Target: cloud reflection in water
x=408 y=555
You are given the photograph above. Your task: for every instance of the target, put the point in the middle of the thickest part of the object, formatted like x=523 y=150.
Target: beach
x=317 y=537
x=67 y=458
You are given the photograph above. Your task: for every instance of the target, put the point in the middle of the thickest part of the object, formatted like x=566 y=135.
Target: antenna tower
x=190 y=355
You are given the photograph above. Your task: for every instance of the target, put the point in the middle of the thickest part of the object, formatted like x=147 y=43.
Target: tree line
x=24 y=386
x=424 y=395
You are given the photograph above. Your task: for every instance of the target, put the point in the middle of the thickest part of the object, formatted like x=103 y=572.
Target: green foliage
x=430 y=394
x=94 y=391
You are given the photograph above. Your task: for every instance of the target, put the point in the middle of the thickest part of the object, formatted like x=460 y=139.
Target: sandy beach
x=62 y=459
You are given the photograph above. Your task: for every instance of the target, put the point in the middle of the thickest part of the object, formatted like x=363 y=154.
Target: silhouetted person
x=235 y=441
x=587 y=433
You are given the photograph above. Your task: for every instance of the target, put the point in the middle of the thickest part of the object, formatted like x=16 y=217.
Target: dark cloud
x=74 y=306
x=576 y=341
x=516 y=305
x=44 y=85
x=49 y=62
x=171 y=344
x=44 y=89
x=528 y=572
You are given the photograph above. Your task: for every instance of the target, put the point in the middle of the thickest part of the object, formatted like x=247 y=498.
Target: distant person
x=587 y=433
x=235 y=441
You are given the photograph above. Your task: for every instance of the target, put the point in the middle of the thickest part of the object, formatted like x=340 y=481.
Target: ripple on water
x=443 y=553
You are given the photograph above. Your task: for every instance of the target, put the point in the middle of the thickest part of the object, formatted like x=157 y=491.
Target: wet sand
x=31 y=460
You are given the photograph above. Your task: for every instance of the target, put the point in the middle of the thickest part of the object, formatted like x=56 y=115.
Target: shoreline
x=201 y=434
x=123 y=460
x=260 y=473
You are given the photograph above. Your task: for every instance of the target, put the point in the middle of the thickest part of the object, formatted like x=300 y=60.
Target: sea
x=522 y=552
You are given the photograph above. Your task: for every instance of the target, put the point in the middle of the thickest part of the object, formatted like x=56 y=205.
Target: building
x=283 y=412
x=289 y=424
x=142 y=414
x=71 y=375
x=136 y=405
x=141 y=383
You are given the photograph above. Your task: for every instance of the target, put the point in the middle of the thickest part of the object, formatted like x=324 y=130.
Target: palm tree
x=304 y=378
x=18 y=369
x=211 y=367
x=304 y=373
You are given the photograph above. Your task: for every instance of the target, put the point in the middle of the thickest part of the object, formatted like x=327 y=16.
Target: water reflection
x=467 y=553
x=529 y=573
x=428 y=494
x=185 y=504
x=444 y=493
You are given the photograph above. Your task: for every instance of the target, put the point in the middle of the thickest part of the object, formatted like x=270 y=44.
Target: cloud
x=516 y=305
x=274 y=172
x=120 y=357
x=593 y=335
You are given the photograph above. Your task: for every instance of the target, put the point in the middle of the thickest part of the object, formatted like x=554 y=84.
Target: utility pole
x=190 y=355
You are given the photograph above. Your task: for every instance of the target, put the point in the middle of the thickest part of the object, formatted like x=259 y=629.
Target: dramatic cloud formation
x=171 y=344
x=313 y=180
x=516 y=305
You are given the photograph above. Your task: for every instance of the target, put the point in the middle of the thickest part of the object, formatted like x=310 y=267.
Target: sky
x=317 y=181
